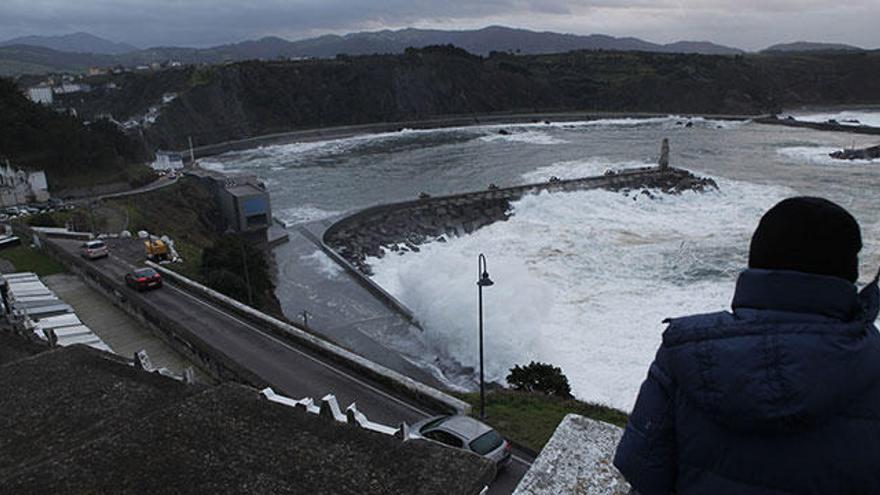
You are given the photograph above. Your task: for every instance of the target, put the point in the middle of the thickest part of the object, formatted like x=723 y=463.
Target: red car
x=143 y=279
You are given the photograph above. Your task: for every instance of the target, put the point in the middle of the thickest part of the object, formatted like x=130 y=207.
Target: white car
x=93 y=250
x=464 y=432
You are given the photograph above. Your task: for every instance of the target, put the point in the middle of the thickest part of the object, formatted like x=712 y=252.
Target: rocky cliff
x=240 y=100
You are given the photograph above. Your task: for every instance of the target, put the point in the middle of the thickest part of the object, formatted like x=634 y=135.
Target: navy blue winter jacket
x=780 y=396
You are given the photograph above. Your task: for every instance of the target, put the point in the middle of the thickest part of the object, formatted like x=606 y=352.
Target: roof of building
x=78 y=420
x=237 y=185
x=246 y=189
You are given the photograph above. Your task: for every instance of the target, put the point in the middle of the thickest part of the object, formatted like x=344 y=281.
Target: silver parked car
x=95 y=249
x=464 y=432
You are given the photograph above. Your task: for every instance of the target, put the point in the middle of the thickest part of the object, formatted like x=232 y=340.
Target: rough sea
x=583 y=280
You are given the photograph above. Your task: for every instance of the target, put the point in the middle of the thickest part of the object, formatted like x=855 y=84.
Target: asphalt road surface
x=291 y=370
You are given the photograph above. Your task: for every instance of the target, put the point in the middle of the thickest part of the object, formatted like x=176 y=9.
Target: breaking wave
x=583 y=280
x=850 y=117
x=323 y=264
x=579 y=168
x=528 y=137
x=819 y=155
x=303 y=214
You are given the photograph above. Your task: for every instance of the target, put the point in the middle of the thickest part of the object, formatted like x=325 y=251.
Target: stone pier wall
x=820 y=126
x=406 y=225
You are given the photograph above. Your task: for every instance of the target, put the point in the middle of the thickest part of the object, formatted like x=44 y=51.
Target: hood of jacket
x=797 y=350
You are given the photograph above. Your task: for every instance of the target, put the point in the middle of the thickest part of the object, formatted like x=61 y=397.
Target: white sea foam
x=211 y=165
x=303 y=214
x=280 y=155
x=851 y=117
x=323 y=264
x=583 y=280
x=528 y=137
x=667 y=121
x=819 y=155
x=579 y=168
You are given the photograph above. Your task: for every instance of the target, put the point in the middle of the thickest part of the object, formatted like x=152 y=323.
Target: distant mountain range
x=806 y=46
x=76 y=43
x=36 y=54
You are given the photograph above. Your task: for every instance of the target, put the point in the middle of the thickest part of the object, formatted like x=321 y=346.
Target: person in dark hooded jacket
x=779 y=396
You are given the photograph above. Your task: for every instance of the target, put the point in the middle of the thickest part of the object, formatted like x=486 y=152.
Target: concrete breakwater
x=871 y=153
x=820 y=126
x=404 y=226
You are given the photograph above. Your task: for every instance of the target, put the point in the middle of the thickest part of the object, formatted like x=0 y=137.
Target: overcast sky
x=749 y=24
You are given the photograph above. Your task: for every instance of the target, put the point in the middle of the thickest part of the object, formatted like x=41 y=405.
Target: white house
x=20 y=187
x=68 y=88
x=41 y=94
x=167 y=161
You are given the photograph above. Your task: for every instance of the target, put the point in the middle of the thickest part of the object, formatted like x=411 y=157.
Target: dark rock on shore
x=871 y=153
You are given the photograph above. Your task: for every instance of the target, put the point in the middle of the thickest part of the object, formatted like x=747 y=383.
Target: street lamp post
x=483 y=280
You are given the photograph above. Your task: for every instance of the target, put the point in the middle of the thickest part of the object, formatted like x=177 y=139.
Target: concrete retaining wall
x=420 y=392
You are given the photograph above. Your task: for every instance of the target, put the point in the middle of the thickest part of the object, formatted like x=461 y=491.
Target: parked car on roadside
x=93 y=250
x=467 y=433
x=143 y=278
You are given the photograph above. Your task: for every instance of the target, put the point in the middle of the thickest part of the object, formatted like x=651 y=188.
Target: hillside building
x=243 y=202
x=167 y=161
x=20 y=187
x=41 y=94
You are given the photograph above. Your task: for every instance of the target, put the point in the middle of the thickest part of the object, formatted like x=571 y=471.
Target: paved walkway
x=121 y=332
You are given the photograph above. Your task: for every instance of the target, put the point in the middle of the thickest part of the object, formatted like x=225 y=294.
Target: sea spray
x=583 y=280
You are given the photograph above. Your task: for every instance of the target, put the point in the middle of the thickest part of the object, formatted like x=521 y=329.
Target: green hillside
x=72 y=154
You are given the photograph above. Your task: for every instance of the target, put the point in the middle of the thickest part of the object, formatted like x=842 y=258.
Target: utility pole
x=247 y=275
x=483 y=280
x=192 y=154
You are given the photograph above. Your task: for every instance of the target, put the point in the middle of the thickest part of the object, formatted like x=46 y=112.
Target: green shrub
x=541 y=378
x=44 y=220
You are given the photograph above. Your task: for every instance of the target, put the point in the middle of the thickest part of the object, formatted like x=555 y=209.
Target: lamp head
x=485 y=281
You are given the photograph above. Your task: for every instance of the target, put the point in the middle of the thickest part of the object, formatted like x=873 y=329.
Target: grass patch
x=28 y=259
x=530 y=419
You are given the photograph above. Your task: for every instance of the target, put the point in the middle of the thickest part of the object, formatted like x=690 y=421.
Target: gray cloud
x=749 y=24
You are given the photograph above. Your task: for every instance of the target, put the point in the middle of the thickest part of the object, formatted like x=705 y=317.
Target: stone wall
x=404 y=226
x=577 y=459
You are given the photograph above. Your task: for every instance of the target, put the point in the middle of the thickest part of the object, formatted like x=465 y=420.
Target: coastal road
x=161 y=182
x=291 y=370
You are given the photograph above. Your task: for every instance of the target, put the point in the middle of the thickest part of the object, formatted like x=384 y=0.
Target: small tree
x=239 y=270
x=540 y=377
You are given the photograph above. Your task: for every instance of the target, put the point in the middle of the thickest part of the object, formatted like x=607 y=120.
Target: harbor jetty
x=405 y=225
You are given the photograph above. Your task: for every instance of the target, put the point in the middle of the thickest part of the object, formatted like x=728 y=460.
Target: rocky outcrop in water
x=871 y=153
x=402 y=227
